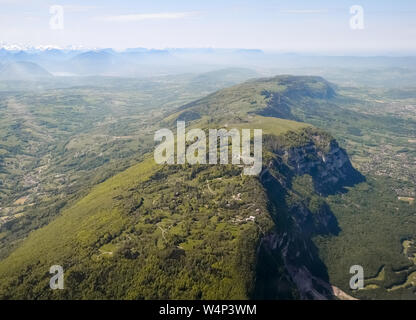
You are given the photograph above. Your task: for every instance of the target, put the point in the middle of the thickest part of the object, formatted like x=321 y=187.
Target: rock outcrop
x=331 y=171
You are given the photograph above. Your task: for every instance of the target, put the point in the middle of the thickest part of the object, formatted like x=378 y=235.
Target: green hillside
x=171 y=231
x=200 y=231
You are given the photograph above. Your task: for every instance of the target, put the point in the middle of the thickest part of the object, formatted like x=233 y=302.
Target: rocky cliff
x=300 y=213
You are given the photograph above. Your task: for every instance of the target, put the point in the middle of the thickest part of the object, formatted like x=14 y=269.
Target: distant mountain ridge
x=23 y=70
x=275 y=97
x=143 y=61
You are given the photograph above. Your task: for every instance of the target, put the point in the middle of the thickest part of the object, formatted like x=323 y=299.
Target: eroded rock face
x=300 y=266
x=331 y=171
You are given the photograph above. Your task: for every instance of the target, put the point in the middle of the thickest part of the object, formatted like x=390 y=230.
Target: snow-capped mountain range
x=48 y=60
x=16 y=47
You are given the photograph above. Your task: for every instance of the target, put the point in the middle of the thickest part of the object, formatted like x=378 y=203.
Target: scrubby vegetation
x=201 y=231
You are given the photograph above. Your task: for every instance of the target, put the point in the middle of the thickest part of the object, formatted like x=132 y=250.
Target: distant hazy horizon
x=304 y=27
x=16 y=47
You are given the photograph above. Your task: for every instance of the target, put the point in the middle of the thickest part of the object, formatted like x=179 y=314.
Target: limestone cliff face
x=331 y=171
x=327 y=163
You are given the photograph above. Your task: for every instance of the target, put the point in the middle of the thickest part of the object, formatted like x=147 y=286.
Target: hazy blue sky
x=295 y=26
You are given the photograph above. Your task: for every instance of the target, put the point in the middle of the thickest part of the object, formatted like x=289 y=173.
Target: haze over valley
x=80 y=188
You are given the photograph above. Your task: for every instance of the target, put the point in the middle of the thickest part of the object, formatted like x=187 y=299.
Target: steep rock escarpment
x=331 y=171
x=299 y=215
